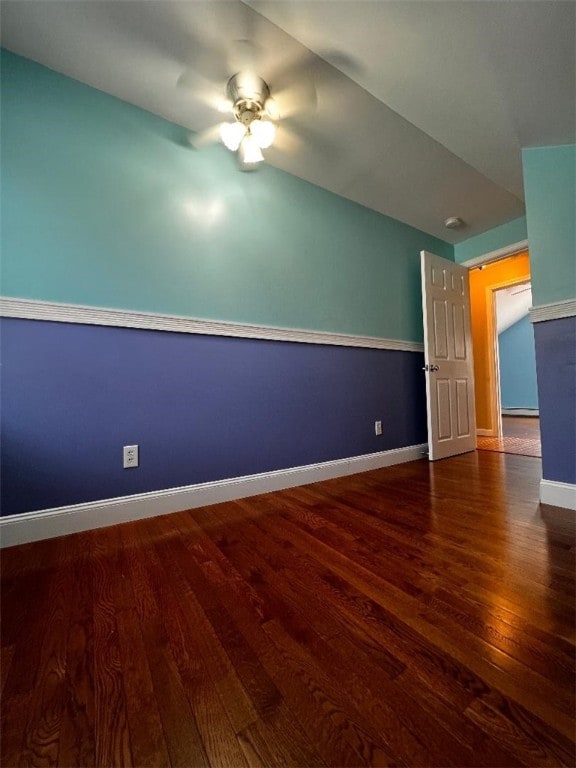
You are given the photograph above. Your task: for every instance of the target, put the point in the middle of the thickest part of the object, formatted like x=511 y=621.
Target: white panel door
x=448 y=366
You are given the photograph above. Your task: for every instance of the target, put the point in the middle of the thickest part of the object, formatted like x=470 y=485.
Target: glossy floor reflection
x=416 y=615
x=520 y=435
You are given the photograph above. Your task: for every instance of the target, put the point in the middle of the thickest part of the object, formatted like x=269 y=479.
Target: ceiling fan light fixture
x=249 y=151
x=232 y=134
x=246 y=97
x=263 y=132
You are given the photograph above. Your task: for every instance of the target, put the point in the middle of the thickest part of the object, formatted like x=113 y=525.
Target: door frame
x=492 y=351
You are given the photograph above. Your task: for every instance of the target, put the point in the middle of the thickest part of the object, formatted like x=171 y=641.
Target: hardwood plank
x=77 y=740
x=25 y=606
x=530 y=739
x=6 y=655
x=15 y=714
x=277 y=741
x=483 y=659
x=42 y=736
x=144 y=720
x=384 y=727
x=508 y=637
x=239 y=707
x=256 y=681
x=302 y=692
x=43 y=718
x=406 y=643
x=363 y=648
x=485 y=749
x=214 y=727
x=183 y=740
x=416 y=615
x=112 y=737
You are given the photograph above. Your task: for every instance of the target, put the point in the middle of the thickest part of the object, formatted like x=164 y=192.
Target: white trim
x=59 y=521
x=554 y=311
x=520 y=412
x=500 y=253
x=558 y=494
x=29 y=309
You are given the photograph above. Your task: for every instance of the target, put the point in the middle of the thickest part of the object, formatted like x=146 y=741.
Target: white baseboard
x=520 y=412
x=60 y=521
x=558 y=494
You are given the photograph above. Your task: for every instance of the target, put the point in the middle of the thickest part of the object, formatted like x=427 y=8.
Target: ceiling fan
x=264 y=81
x=257 y=118
x=255 y=115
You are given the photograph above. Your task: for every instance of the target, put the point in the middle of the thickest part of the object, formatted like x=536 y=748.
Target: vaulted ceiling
x=420 y=107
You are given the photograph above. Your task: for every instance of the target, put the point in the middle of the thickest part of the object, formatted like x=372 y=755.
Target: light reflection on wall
x=205 y=213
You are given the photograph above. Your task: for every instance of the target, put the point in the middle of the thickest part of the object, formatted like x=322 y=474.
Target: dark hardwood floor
x=521 y=426
x=416 y=615
x=520 y=435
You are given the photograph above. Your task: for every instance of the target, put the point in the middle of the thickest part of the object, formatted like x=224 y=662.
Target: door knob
x=434 y=367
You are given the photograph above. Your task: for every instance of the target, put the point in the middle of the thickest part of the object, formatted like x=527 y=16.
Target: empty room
x=288 y=383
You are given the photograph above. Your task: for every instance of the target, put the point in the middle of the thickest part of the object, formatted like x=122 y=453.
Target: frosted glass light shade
x=232 y=134
x=250 y=151
x=264 y=132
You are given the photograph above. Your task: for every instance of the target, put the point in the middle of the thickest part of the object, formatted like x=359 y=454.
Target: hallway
x=521 y=435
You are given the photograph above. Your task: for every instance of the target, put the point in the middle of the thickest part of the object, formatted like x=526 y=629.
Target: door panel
x=440 y=330
x=444 y=416
x=462 y=407
x=448 y=356
x=459 y=330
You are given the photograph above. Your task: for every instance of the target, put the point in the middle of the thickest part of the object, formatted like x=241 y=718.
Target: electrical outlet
x=378 y=427
x=131 y=458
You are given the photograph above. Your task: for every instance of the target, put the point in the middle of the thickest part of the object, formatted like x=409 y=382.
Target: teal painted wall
x=106 y=205
x=517 y=358
x=549 y=184
x=499 y=237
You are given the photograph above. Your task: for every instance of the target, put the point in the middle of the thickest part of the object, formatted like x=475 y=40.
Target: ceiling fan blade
x=208 y=94
x=287 y=141
x=294 y=98
x=204 y=138
x=293 y=84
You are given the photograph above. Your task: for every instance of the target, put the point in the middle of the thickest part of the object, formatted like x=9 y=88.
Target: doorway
x=504 y=363
x=520 y=435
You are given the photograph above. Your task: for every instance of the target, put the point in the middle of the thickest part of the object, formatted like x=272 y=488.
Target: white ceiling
x=422 y=105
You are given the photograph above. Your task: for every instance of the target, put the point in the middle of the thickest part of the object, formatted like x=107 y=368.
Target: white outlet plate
x=378 y=427
x=131 y=457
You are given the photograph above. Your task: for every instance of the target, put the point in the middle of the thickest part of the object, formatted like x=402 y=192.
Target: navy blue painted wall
x=201 y=408
x=556 y=367
x=518 y=387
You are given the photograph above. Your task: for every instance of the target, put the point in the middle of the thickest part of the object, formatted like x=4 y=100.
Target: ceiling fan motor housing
x=248 y=94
